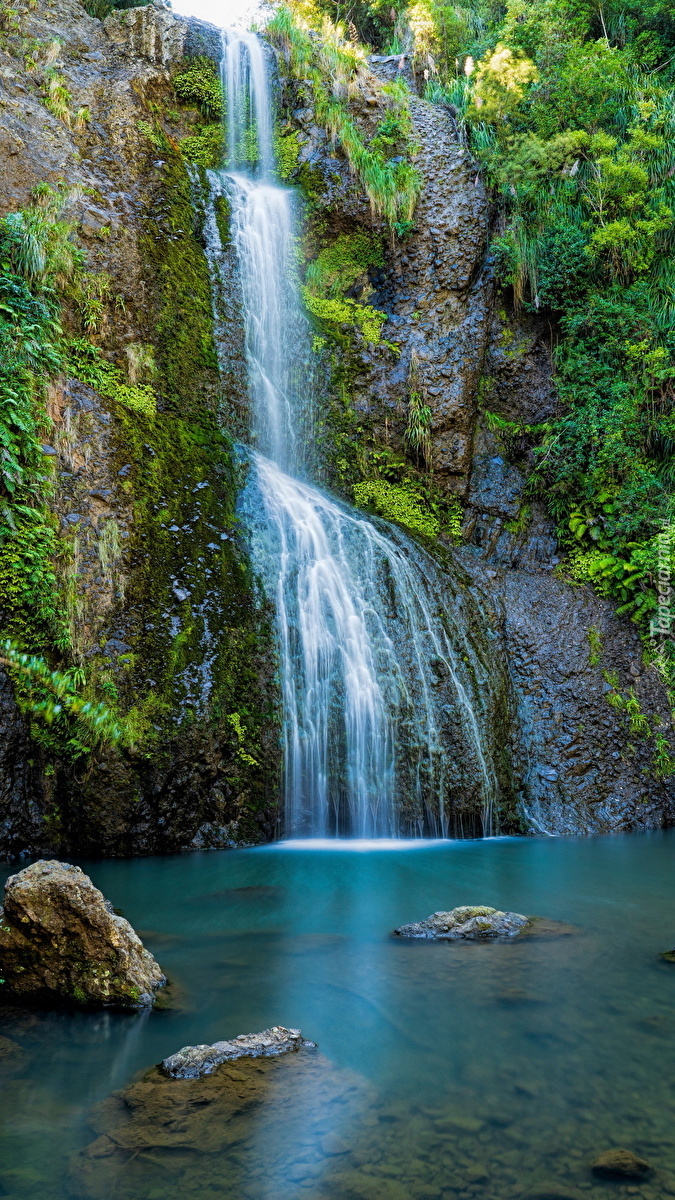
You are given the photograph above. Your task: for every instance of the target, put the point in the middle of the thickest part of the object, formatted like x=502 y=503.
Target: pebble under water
x=444 y=1070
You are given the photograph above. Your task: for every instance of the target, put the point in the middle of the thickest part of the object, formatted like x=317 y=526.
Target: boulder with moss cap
x=62 y=941
x=473 y=922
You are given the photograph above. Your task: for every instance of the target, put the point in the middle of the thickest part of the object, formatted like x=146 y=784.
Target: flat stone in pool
x=469 y=923
x=192 y=1062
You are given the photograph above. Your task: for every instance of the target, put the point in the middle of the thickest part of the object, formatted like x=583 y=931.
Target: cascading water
x=389 y=697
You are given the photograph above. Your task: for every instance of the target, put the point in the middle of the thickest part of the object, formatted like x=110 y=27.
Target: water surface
x=478 y=1070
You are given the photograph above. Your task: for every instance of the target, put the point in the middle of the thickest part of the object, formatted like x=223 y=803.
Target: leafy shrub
x=87 y=363
x=204 y=148
x=199 y=84
x=401 y=504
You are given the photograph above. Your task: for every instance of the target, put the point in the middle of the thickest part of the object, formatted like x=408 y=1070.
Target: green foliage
x=663 y=763
x=103 y=8
x=287 y=150
x=401 y=504
x=335 y=271
x=58 y=97
x=339 y=264
x=181 y=297
x=86 y=362
x=204 y=148
x=31 y=254
x=46 y=695
x=576 y=140
x=333 y=70
x=369 y=321
x=418 y=430
x=595 y=645
x=629 y=704
x=199 y=84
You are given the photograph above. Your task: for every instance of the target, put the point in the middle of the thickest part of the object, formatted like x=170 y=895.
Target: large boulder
x=469 y=922
x=61 y=940
x=194 y=1061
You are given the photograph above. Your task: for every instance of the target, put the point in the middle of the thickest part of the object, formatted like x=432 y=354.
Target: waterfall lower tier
x=387 y=694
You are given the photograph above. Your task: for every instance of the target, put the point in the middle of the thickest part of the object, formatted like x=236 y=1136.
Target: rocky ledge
x=62 y=941
x=192 y=1062
x=470 y=922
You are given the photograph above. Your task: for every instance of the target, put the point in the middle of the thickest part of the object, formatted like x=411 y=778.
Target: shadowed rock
x=620 y=1164
x=468 y=922
x=61 y=940
x=194 y=1061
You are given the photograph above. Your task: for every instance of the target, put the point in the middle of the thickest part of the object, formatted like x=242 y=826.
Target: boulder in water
x=620 y=1164
x=194 y=1061
x=61 y=940
x=468 y=922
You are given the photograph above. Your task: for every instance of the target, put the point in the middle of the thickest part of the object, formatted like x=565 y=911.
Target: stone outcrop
x=620 y=1164
x=194 y=1061
x=469 y=923
x=579 y=768
x=437 y=297
x=62 y=941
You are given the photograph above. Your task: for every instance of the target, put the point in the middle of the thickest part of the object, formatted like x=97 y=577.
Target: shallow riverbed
x=463 y=1070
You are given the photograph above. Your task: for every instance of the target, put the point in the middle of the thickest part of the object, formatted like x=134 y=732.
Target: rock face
x=576 y=767
x=144 y=508
x=468 y=922
x=569 y=744
x=194 y=1061
x=60 y=940
x=437 y=297
x=620 y=1164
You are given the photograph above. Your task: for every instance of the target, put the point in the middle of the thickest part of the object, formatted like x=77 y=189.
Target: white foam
x=360 y=845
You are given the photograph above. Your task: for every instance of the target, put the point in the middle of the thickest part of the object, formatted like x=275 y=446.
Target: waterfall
x=389 y=695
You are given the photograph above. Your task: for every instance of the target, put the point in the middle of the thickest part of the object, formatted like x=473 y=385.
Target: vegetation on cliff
x=334 y=70
x=569 y=110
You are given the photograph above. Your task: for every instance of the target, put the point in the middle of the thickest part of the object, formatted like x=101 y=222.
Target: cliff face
x=578 y=768
x=161 y=605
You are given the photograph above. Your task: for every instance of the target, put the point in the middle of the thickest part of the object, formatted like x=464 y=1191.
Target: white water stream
x=375 y=684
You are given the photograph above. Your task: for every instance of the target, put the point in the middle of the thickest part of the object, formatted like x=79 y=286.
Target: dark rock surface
x=620 y=1164
x=580 y=769
x=194 y=1061
x=468 y=922
x=61 y=941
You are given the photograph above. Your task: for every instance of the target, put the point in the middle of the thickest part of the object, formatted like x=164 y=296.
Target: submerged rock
x=12 y=1057
x=194 y=1061
x=60 y=939
x=268 y=1110
x=470 y=922
x=620 y=1164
